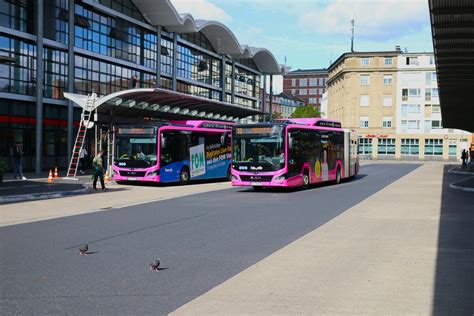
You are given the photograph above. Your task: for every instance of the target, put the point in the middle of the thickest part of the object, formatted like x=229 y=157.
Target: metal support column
x=175 y=50
x=39 y=86
x=264 y=98
x=270 y=105
x=158 y=57
x=70 y=81
x=223 y=95
x=232 y=85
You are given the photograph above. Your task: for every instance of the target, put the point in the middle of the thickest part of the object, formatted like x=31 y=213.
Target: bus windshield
x=262 y=146
x=136 y=147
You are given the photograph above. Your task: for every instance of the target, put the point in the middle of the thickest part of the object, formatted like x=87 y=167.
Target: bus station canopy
x=164 y=104
x=452 y=26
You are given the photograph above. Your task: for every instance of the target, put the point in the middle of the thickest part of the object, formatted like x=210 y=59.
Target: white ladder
x=86 y=118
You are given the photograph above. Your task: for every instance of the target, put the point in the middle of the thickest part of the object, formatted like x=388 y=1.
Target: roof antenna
x=352 y=38
x=285 y=61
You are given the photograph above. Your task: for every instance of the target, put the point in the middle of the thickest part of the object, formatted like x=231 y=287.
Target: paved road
x=201 y=239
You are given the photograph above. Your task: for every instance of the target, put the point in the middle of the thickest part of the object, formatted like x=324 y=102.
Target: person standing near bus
x=17 y=155
x=464 y=157
x=82 y=159
x=98 y=170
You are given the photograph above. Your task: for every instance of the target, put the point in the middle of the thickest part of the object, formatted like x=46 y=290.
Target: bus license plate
x=132 y=179
x=255 y=184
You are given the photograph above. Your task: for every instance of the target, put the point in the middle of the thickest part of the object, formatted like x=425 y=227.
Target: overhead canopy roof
x=165 y=104
x=223 y=40
x=452 y=25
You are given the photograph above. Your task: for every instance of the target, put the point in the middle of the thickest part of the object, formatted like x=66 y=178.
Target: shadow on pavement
x=298 y=189
x=454 y=278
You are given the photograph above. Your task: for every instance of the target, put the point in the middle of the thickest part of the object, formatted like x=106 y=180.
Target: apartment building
x=306 y=84
x=390 y=99
x=283 y=104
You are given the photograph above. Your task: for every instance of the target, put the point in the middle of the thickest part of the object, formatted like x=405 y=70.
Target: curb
x=43 y=196
x=461 y=188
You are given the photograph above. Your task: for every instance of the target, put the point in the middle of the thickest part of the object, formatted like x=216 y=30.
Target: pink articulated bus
x=292 y=153
x=175 y=151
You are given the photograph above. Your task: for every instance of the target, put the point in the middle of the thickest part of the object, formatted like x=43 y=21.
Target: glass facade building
x=105 y=46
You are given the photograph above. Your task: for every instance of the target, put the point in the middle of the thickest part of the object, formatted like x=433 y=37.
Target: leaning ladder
x=80 y=137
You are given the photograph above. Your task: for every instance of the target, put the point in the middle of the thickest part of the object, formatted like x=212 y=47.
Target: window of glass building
x=410 y=146
x=244 y=81
x=198 y=39
x=198 y=66
x=55 y=73
x=434 y=147
x=104 y=78
x=19 y=76
x=386 y=146
x=166 y=55
x=365 y=145
x=187 y=88
x=123 y=6
x=18 y=15
x=56 y=18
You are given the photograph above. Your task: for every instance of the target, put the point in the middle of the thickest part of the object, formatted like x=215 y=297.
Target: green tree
x=306 y=111
x=276 y=115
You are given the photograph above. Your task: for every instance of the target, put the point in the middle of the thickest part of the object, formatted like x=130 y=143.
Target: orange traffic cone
x=50 y=177
x=106 y=178
x=56 y=172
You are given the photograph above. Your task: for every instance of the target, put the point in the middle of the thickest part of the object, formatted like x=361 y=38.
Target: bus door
x=174 y=154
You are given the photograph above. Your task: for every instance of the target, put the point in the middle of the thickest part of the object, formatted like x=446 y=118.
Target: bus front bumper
x=142 y=176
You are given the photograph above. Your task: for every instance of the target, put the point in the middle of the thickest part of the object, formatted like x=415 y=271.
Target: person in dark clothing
x=17 y=154
x=464 y=157
x=99 y=170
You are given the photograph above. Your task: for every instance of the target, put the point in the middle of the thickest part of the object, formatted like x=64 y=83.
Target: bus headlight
x=280 y=178
x=153 y=174
x=234 y=178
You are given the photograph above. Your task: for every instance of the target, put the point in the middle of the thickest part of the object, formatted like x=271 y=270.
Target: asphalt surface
x=202 y=240
x=21 y=187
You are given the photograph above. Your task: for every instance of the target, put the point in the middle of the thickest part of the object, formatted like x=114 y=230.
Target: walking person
x=98 y=170
x=82 y=159
x=464 y=157
x=17 y=155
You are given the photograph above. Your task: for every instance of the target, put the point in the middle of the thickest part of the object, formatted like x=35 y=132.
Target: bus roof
x=204 y=124
x=313 y=121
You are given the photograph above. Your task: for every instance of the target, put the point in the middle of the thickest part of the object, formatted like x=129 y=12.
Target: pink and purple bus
x=175 y=151
x=292 y=153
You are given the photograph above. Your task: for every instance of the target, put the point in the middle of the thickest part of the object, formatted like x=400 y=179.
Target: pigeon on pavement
x=83 y=249
x=155 y=263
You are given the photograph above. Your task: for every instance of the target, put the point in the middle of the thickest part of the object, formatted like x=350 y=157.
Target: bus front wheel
x=305 y=179
x=184 y=177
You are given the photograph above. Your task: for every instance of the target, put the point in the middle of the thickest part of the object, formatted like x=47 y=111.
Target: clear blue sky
x=311 y=33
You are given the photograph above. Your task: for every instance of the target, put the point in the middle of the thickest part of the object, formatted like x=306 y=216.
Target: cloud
x=202 y=9
x=376 y=20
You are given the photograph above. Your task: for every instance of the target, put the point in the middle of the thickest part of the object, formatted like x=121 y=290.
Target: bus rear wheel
x=338 y=175
x=184 y=177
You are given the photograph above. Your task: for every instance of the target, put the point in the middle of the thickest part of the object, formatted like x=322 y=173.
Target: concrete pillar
x=398 y=146
x=223 y=97
x=232 y=85
x=70 y=81
x=39 y=86
x=175 y=53
x=422 y=148
x=158 y=57
x=375 y=147
x=270 y=108
x=264 y=96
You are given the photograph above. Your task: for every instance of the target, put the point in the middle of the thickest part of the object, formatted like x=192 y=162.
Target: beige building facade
x=391 y=100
